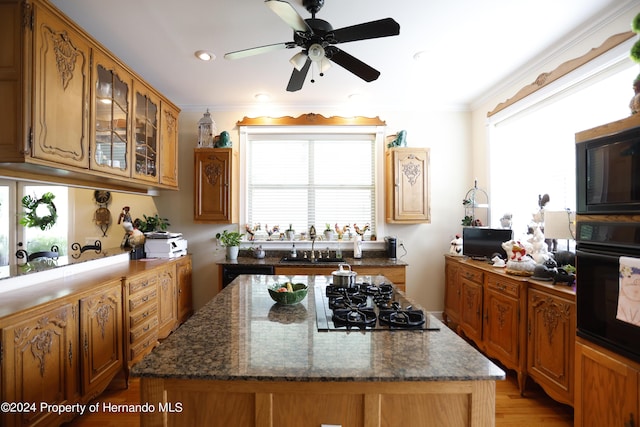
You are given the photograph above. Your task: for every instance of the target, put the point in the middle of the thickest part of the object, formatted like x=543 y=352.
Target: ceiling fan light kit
x=317 y=38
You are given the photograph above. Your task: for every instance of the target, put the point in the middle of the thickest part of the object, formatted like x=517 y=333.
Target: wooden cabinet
x=551 y=328
x=607 y=388
x=183 y=275
x=471 y=289
x=101 y=338
x=167 y=301
x=40 y=357
x=216 y=185
x=70 y=114
x=504 y=326
x=407 y=185
x=60 y=92
x=526 y=325
x=141 y=315
x=452 y=293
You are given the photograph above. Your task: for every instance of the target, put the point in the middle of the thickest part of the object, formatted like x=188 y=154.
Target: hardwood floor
x=512 y=410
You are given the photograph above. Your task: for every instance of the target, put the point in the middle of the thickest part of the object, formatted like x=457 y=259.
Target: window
x=304 y=177
x=532 y=150
x=14 y=236
x=36 y=239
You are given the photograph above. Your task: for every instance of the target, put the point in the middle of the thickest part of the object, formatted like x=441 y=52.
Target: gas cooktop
x=367 y=307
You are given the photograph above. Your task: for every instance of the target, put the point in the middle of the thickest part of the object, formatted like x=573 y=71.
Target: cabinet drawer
x=142 y=299
x=504 y=286
x=137 y=285
x=141 y=316
x=473 y=275
x=143 y=346
x=139 y=332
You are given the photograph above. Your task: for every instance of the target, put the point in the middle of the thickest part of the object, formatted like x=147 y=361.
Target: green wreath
x=30 y=217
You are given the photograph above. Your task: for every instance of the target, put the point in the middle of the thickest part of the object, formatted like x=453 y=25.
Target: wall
x=578 y=44
x=85 y=231
x=447 y=134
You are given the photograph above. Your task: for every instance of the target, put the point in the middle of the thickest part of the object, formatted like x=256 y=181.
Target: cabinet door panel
x=101 y=335
x=551 y=344
x=408 y=185
x=167 y=301
x=183 y=273
x=471 y=310
x=42 y=354
x=146 y=119
x=452 y=293
x=168 y=145
x=607 y=391
x=111 y=139
x=213 y=185
x=501 y=329
x=61 y=92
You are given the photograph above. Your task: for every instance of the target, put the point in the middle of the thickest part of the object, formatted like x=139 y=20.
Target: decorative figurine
x=456 y=246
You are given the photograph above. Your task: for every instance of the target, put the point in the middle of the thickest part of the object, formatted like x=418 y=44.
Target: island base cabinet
x=302 y=404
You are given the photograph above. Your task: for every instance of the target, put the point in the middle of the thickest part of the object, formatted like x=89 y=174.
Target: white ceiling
x=470 y=47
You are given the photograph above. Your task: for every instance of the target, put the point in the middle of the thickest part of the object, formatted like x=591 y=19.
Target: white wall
x=447 y=134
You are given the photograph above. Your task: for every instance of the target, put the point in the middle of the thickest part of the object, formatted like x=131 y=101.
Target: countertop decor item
x=206 y=130
x=288 y=293
x=231 y=241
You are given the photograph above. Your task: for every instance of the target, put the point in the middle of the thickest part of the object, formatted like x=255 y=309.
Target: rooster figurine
x=359 y=230
x=341 y=231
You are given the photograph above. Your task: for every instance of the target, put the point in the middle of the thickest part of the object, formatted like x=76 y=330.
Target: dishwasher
x=231 y=271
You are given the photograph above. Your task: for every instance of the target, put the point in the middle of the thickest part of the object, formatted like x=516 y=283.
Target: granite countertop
x=242 y=334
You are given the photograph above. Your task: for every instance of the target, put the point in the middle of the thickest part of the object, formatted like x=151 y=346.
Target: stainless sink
x=286 y=259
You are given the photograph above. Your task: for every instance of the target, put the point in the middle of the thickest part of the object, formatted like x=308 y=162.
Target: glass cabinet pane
x=146 y=134
x=112 y=108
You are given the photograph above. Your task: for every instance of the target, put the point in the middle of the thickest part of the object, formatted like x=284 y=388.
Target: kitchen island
x=243 y=360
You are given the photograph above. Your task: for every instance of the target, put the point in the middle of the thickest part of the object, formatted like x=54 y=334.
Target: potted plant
x=151 y=223
x=230 y=240
x=328 y=232
x=290 y=232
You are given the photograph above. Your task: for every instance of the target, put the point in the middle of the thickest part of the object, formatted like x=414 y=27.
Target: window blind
x=311 y=179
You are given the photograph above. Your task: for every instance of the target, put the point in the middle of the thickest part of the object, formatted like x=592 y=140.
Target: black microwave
x=608 y=174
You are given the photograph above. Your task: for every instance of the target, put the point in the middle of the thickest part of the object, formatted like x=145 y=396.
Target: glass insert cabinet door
x=146 y=134
x=111 y=121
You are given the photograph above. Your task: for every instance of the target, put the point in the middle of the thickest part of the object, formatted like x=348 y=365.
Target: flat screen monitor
x=483 y=243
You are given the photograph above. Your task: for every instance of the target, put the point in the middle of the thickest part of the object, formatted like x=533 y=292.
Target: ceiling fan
x=317 y=38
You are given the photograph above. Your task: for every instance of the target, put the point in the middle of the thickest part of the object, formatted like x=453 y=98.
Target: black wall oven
x=608 y=173
x=600 y=246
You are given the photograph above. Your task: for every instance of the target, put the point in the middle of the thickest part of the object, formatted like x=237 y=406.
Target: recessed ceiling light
x=204 y=55
x=262 y=97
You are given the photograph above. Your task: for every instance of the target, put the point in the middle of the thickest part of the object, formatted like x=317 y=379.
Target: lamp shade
x=298 y=60
x=559 y=224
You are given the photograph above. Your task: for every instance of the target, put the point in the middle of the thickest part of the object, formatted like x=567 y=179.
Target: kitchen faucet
x=312 y=235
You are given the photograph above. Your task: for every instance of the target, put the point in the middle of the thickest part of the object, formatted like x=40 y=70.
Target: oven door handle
x=606 y=256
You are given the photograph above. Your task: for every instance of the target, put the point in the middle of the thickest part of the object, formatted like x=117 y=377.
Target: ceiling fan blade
x=297 y=77
x=354 y=65
x=289 y=15
x=368 y=30
x=258 y=50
